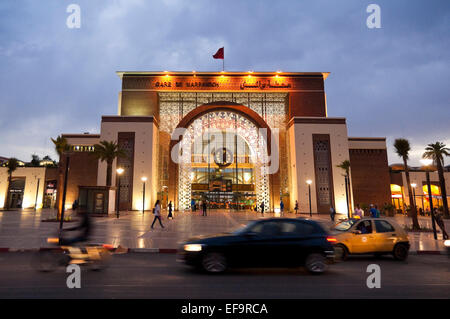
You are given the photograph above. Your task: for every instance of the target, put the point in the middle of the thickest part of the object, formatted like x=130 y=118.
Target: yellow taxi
x=371 y=236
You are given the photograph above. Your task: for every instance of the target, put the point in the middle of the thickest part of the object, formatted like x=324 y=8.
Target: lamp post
x=426 y=163
x=346 y=195
x=413 y=185
x=119 y=172
x=66 y=177
x=309 y=182
x=37 y=193
x=143 y=179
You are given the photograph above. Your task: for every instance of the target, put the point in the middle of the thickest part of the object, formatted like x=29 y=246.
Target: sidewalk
x=23 y=229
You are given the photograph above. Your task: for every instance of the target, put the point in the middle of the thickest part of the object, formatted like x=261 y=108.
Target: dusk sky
x=390 y=82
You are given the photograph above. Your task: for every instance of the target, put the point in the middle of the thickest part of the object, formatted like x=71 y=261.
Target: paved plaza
x=24 y=229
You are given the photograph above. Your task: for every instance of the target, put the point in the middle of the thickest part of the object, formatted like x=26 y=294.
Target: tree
x=402 y=149
x=12 y=165
x=108 y=152
x=345 y=165
x=61 y=146
x=436 y=152
x=35 y=160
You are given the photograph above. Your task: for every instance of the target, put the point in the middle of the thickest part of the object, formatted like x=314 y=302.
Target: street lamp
x=143 y=179
x=119 y=172
x=347 y=189
x=426 y=163
x=37 y=193
x=413 y=185
x=309 y=182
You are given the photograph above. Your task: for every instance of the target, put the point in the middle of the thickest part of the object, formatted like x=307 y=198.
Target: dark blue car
x=274 y=242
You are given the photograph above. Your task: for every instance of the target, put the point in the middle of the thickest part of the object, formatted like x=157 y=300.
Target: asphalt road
x=160 y=276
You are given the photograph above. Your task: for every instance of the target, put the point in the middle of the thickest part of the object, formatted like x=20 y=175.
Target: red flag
x=219 y=54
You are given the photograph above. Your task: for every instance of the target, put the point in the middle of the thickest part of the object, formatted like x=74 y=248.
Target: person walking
x=157 y=213
x=332 y=213
x=281 y=207
x=262 y=208
x=296 y=207
x=438 y=217
x=170 y=216
x=204 y=206
x=358 y=212
x=193 y=205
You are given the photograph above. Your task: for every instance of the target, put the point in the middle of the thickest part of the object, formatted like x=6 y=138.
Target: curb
x=122 y=250
x=174 y=251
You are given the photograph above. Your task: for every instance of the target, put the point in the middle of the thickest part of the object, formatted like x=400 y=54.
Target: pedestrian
x=373 y=211
x=157 y=213
x=438 y=217
x=332 y=213
x=296 y=207
x=204 y=206
x=262 y=208
x=193 y=205
x=281 y=207
x=170 y=216
x=358 y=212
x=377 y=212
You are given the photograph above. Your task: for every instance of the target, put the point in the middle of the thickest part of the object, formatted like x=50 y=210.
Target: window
x=365 y=227
x=267 y=229
x=383 y=226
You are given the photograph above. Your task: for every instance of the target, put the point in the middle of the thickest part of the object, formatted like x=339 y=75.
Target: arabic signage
x=209 y=83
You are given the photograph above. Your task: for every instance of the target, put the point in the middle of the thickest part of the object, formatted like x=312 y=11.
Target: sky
x=389 y=82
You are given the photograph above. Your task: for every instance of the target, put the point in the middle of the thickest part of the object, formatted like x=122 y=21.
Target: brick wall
x=370 y=176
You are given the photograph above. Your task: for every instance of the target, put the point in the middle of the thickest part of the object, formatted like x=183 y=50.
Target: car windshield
x=244 y=229
x=345 y=225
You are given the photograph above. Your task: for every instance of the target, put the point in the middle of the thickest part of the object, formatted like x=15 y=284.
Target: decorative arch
x=198 y=112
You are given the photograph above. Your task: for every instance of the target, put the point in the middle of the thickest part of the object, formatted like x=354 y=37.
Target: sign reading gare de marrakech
x=222 y=114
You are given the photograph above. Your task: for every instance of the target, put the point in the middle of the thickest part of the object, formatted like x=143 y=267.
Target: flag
x=219 y=54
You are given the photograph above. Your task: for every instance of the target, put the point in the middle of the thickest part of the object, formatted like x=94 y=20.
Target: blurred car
x=274 y=242
x=371 y=236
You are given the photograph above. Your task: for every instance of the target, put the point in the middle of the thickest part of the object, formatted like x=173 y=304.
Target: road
x=144 y=275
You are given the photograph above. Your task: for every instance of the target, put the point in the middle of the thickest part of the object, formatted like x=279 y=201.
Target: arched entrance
x=219 y=153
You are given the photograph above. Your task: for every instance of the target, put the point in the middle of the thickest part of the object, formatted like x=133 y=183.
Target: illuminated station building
x=235 y=139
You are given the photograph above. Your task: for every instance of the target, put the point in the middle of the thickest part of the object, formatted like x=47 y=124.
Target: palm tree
x=12 y=165
x=345 y=165
x=436 y=152
x=61 y=146
x=108 y=152
x=402 y=149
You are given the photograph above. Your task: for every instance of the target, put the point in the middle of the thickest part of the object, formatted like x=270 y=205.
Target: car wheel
x=214 y=262
x=400 y=252
x=316 y=263
x=342 y=252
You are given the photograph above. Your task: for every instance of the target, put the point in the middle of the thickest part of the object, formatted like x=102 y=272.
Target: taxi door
x=363 y=240
x=385 y=235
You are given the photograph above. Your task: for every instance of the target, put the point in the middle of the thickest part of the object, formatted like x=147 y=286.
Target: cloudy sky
x=391 y=82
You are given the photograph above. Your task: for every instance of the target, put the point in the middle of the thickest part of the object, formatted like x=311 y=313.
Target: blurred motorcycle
x=95 y=256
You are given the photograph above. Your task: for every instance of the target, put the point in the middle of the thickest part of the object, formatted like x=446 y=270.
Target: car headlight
x=447 y=243
x=193 y=247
